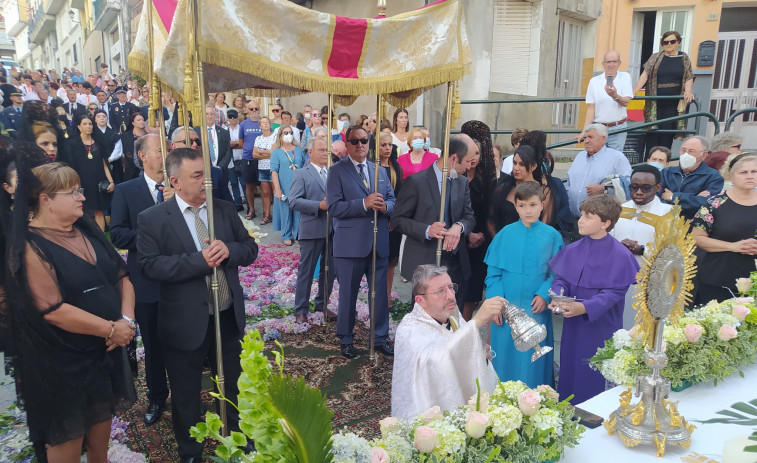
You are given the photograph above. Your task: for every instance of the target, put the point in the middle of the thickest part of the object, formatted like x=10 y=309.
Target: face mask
x=307 y=115
x=659 y=165
x=417 y=144
x=287 y=138
x=341 y=125
x=687 y=161
x=427 y=145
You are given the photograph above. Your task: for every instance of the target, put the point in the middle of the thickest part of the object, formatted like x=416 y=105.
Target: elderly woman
x=725 y=228
x=723 y=145
x=285 y=159
x=667 y=72
x=73 y=305
x=418 y=158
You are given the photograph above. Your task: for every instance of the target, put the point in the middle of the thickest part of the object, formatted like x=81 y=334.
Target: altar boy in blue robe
x=597 y=270
x=518 y=270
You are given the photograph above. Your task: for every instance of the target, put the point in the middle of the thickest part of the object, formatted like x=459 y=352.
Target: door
x=734 y=84
x=673 y=20
x=634 y=53
x=568 y=72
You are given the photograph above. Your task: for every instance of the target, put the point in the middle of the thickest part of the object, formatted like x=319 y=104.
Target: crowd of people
x=509 y=232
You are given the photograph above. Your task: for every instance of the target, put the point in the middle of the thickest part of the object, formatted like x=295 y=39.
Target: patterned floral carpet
x=357 y=391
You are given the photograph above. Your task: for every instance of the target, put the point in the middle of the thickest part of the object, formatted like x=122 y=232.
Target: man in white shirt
x=86 y=97
x=434 y=342
x=634 y=229
x=608 y=95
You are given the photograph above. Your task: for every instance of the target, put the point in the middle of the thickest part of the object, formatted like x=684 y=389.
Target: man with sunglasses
x=351 y=202
x=632 y=232
x=249 y=130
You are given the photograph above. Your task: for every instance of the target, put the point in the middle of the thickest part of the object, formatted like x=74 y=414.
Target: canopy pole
x=327 y=252
x=200 y=78
x=162 y=128
x=445 y=169
x=156 y=94
x=372 y=305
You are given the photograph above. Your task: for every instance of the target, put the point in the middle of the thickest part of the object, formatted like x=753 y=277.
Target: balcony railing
x=104 y=12
x=41 y=24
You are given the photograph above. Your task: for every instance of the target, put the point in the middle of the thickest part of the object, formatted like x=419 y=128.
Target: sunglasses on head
x=645 y=188
x=670 y=42
x=355 y=141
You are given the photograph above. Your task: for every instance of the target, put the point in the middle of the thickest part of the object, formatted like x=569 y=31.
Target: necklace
x=292 y=163
x=89 y=149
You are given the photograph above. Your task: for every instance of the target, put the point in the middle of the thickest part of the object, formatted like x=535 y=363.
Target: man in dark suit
x=417 y=216
x=220 y=180
x=219 y=142
x=119 y=113
x=351 y=203
x=308 y=195
x=73 y=109
x=174 y=249
x=129 y=200
x=11 y=116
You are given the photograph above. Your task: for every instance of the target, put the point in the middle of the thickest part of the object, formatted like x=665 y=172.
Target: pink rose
x=635 y=333
x=692 y=332
x=476 y=425
x=432 y=414
x=726 y=333
x=529 y=402
x=388 y=425
x=425 y=439
x=740 y=312
x=547 y=391
x=379 y=455
x=743 y=285
x=483 y=402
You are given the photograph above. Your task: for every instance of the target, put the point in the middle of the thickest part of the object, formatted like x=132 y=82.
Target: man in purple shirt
x=249 y=130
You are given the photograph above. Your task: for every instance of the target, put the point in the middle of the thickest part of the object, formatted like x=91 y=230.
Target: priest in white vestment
x=438 y=355
x=634 y=233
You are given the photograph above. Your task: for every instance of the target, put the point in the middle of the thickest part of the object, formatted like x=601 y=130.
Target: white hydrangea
x=399 y=449
x=350 y=448
x=621 y=339
x=504 y=419
x=508 y=391
x=617 y=368
x=548 y=419
x=673 y=335
x=451 y=440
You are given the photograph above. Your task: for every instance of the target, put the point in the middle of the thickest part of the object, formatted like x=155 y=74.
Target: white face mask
x=341 y=125
x=687 y=161
x=307 y=115
x=287 y=138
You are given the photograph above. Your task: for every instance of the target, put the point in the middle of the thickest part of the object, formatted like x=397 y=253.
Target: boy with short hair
x=597 y=270
x=518 y=270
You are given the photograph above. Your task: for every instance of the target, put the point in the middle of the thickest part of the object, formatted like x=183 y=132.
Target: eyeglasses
x=355 y=141
x=253 y=109
x=691 y=151
x=315 y=114
x=738 y=147
x=645 y=188
x=286 y=133
x=74 y=193
x=442 y=291
x=670 y=42
x=276 y=110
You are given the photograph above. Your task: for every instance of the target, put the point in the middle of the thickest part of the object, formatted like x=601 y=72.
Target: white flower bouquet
x=515 y=424
x=708 y=343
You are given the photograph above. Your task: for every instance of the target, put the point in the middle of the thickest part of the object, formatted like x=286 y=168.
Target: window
x=673 y=20
x=73 y=49
x=515 y=47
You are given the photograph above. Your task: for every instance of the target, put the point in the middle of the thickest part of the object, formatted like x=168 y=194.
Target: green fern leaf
x=305 y=418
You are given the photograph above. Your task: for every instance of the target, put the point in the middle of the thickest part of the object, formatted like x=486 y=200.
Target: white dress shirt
x=151 y=187
x=189 y=218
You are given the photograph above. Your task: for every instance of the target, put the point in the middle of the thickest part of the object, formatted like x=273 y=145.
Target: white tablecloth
x=699 y=402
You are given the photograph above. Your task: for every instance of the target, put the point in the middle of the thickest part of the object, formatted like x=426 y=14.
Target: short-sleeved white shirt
x=606 y=109
x=265 y=143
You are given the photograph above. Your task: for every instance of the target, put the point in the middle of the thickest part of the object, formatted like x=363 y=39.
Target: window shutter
x=515 y=47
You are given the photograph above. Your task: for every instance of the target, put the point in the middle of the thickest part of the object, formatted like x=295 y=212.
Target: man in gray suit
x=416 y=215
x=308 y=195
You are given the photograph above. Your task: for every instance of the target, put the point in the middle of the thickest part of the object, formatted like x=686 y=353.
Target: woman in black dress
x=107 y=138
x=129 y=138
x=72 y=305
x=388 y=160
x=87 y=160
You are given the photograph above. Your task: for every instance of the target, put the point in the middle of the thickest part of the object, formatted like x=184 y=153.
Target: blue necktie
x=160 y=192
x=362 y=175
x=211 y=146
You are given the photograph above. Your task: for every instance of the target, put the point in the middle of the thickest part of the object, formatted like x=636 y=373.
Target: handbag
x=103 y=186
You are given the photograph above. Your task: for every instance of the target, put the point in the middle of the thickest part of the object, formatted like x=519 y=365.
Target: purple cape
x=585 y=263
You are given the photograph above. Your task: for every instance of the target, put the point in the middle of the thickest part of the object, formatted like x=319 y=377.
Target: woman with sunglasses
x=285 y=159
x=667 y=72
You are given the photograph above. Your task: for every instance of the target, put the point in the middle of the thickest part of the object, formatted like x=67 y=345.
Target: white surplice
x=437 y=366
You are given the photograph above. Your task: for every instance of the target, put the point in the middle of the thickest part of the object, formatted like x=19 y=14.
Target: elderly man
x=607 y=96
x=592 y=165
x=434 y=342
x=416 y=215
x=220 y=181
x=174 y=250
x=129 y=200
x=338 y=151
x=352 y=202
x=691 y=182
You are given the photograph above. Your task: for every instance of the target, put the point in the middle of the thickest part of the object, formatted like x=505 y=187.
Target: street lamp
x=72 y=15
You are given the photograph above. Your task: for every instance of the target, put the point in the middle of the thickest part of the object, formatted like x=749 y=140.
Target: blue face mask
x=657 y=164
x=417 y=144
x=427 y=145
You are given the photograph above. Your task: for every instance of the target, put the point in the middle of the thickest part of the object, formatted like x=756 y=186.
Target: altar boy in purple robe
x=597 y=270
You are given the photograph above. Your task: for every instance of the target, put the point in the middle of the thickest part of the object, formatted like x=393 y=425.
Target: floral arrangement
x=708 y=343
x=514 y=424
x=16 y=447
x=748 y=286
x=253 y=229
